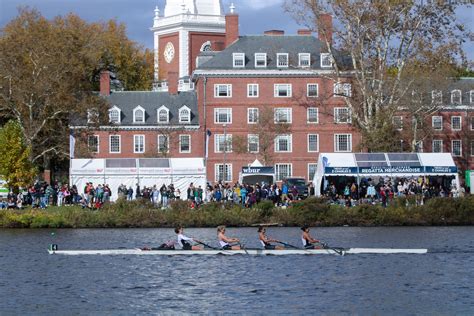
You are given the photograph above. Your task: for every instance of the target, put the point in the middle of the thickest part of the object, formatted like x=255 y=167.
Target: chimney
x=325 y=28
x=104 y=83
x=172 y=82
x=231 y=28
x=304 y=32
x=274 y=32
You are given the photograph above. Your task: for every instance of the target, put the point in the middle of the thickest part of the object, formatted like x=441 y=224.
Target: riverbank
x=313 y=212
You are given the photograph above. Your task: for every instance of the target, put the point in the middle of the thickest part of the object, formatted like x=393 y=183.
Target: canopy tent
x=383 y=165
x=143 y=171
x=257 y=173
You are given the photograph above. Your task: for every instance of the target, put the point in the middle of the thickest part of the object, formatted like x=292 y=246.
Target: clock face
x=169 y=52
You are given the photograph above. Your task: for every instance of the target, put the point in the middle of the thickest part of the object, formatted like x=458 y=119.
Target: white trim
x=135 y=143
x=471 y=96
x=277 y=167
x=460 y=147
x=289 y=90
x=158 y=114
x=255 y=136
x=459 y=94
x=115 y=108
x=248 y=90
x=317 y=143
x=278 y=61
x=236 y=57
x=204 y=46
x=135 y=110
x=269 y=72
x=119 y=142
x=342 y=90
x=322 y=57
x=309 y=60
x=460 y=123
x=248 y=115
x=310 y=179
x=179 y=138
x=227 y=171
x=337 y=118
x=471 y=123
x=183 y=108
x=158 y=143
x=336 y=143
x=264 y=55
x=139 y=128
x=228 y=114
x=98 y=143
x=289 y=112
x=441 y=145
x=433 y=122
x=289 y=138
x=228 y=88
x=307 y=90
x=317 y=115
x=184 y=53
x=227 y=143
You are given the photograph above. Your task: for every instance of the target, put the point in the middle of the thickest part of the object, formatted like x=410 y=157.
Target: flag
x=72 y=143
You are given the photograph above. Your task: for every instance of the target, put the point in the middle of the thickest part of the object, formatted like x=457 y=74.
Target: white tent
x=257 y=173
x=143 y=171
x=383 y=165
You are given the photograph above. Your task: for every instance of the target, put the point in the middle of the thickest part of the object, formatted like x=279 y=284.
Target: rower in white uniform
x=308 y=241
x=185 y=242
x=265 y=241
x=224 y=241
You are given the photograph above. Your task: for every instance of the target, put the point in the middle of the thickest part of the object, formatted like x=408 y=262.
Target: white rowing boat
x=253 y=251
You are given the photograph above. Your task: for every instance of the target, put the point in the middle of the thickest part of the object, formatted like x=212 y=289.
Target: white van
x=3 y=188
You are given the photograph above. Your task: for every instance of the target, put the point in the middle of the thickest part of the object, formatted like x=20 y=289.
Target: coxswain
x=224 y=241
x=308 y=241
x=184 y=241
x=266 y=242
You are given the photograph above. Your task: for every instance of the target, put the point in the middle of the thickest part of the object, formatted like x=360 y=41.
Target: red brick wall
x=164 y=67
x=196 y=39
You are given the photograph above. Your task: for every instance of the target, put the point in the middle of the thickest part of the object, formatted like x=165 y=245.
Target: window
x=114 y=115
x=419 y=146
x=437 y=146
x=312 y=116
x=222 y=90
x=222 y=143
x=283 y=143
x=283 y=171
x=163 y=144
x=397 y=122
x=138 y=144
x=312 y=90
x=252 y=90
x=342 y=115
x=282 y=91
x=184 y=115
x=253 y=143
x=139 y=115
x=456 y=148
x=472 y=147
x=239 y=60
x=472 y=123
x=219 y=172
x=326 y=60
x=114 y=144
x=223 y=116
x=283 y=115
x=343 y=142
x=312 y=170
x=282 y=60
x=456 y=123
x=92 y=116
x=342 y=89
x=437 y=123
x=260 y=60
x=93 y=143
x=252 y=115
x=471 y=96
x=313 y=143
x=436 y=96
x=456 y=97
x=184 y=143
x=304 y=60
x=163 y=115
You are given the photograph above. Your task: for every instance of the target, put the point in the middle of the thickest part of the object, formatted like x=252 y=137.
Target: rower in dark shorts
x=184 y=241
x=224 y=241
x=308 y=241
x=266 y=242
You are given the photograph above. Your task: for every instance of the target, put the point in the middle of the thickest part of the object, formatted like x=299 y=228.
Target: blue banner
x=340 y=170
x=388 y=170
x=440 y=169
x=258 y=170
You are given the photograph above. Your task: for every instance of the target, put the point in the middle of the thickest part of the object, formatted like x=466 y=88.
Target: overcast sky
x=255 y=16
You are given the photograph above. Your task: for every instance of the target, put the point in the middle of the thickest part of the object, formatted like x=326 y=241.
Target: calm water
x=34 y=282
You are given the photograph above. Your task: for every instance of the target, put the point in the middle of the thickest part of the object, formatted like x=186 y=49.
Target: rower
x=308 y=241
x=266 y=242
x=183 y=240
x=225 y=241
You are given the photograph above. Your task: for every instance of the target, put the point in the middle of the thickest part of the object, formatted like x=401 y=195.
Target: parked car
x=301 y=186
x=3 y=188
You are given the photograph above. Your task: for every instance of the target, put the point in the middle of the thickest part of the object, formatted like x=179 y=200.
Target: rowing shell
x=255 y=252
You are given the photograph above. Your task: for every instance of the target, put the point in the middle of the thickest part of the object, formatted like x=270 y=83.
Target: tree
x=390 y=45
x=15 y=166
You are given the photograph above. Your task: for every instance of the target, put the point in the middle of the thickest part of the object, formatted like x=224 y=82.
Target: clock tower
x=186 y=28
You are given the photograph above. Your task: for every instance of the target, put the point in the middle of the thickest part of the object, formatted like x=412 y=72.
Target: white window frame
x=460 y=122
x=307 y=90
x=289 y=114
x=337 y=146
x=167 y=140
x=249 y=115
x=325 y=57
x=260 y=57
x=282 y=65
x=436 y=96
x=228 y=88
x=181 y=142
x=338 y=118
x=453 y=93
x=254 y=137
x=252 y=87
x=317 y=143
x=310 y=179
x=419 y=146
x=135 y=111
x=119 y=144
x=97 y=137
x=308 y=115
x=227 y=172
x=163 y=108
x=440 y=142
x=471 y=96
x=237 y=57
x=398 y=127
x=434 y=119
x=92 y=116
x=472 y=148
x=184 y=118
x=278 y=176
x=460 y=147
x=224 y=140
x=288 y=138
x=136 y=137
x=302 y=57
x=472 y=123
x=276 y=90
x=342 y=89
x=223 y=111
x=119 y=114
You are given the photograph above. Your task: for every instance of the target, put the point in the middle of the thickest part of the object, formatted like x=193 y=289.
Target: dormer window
x=139 y=115
x=238 y=60
x=92 y=116
x=436 y=96
x=184 y=114
x=114 y=115
x=326 y=60
x=304 y=60
x=282 y=60
x=471 y=96
x=260 y=60
x=163 y=114
x=456 y=97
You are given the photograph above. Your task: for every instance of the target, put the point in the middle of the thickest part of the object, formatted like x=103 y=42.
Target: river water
x=32 y=282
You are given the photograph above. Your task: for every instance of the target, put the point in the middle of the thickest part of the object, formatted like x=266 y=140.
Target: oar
x=288 y=245
x=339 y=251
x=243 y=248
x=206 y=245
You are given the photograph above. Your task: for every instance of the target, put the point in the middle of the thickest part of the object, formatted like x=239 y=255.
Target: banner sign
x=399 y=169
x=340 y=170
x=440 y=169
x=258 y=170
